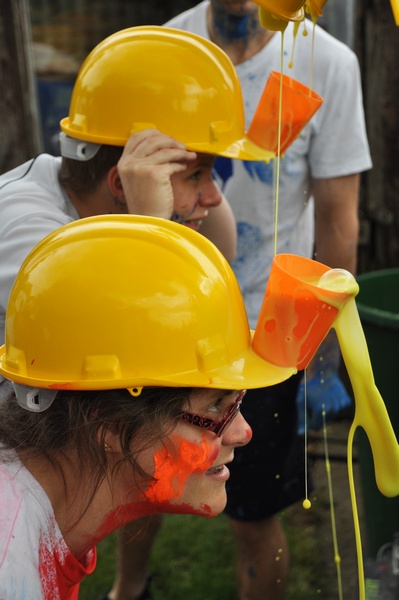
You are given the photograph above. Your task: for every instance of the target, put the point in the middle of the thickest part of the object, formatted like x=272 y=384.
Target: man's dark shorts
x=268 y=474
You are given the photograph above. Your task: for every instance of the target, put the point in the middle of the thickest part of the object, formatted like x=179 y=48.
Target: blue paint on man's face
x=235 y=28
x=241 y=27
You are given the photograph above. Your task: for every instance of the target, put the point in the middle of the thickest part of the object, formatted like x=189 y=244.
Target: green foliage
x=193 y=558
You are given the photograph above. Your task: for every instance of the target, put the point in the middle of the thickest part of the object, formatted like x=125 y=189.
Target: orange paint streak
x=174 y=466
x=136 y=510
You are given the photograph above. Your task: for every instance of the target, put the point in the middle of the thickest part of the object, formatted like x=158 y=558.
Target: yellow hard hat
x=172 y=80
x=129 y=301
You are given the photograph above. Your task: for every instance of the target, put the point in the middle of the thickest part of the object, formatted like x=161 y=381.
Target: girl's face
x=190 y=468
x=194 y=192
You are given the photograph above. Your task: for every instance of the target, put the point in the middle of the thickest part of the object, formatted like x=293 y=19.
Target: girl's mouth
x=219 y=473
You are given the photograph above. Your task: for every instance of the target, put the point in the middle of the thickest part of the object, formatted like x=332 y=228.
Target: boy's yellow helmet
x=129 y=301
x=172 y=80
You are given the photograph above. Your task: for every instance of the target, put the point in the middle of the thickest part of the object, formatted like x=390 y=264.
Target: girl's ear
x=115 y=184
x=109 y=438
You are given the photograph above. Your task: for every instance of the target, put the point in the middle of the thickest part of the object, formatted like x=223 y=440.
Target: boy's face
x=195 y=192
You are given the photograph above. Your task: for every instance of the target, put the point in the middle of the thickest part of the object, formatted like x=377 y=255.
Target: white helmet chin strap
x=34 y=399
x=77 y=149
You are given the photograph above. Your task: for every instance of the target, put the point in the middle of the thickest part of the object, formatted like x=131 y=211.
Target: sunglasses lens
x=216 y=427
x=235 y=409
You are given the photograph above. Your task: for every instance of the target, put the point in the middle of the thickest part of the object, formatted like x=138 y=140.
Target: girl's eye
x=217 y=407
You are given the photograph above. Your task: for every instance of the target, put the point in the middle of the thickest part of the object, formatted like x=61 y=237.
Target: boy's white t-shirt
x=32 y=205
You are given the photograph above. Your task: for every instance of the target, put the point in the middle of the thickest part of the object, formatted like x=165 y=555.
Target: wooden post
x=20 y=133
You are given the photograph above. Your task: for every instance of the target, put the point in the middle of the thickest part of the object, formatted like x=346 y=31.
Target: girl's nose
x=238 y=433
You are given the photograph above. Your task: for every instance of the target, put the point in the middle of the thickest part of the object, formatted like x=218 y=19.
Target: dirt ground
x=337 y=435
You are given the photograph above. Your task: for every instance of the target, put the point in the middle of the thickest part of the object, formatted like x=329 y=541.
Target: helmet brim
x=248 y=371
x=243 y=149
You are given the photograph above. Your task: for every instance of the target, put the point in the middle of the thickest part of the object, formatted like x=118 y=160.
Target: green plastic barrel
x=378 y=306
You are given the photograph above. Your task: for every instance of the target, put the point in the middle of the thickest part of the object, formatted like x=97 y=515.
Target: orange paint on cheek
x=174 y=466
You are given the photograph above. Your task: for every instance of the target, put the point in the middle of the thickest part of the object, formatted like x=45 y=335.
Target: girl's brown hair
x=80 y=419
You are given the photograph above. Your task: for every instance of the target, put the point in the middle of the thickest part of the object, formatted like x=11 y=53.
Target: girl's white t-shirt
x=35 y=562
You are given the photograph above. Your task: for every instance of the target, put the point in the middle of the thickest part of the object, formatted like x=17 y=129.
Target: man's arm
x=337 y=222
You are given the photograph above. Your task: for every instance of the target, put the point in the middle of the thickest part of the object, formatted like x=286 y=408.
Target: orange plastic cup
x=296 y=314
x=270 y=22
x=299 y=104
x=290 y=10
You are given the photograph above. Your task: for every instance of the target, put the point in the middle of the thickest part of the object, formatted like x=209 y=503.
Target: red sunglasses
x=217 y=427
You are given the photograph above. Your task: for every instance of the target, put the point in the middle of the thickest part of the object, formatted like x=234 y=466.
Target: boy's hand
x=148 y=161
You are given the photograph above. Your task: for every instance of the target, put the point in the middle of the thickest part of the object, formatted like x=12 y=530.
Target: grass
x=194 y=559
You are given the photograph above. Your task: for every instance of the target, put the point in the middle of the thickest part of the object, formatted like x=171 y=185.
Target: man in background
x=318 y=217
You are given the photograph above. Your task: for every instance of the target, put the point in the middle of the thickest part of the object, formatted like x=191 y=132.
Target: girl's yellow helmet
x=128 y=301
